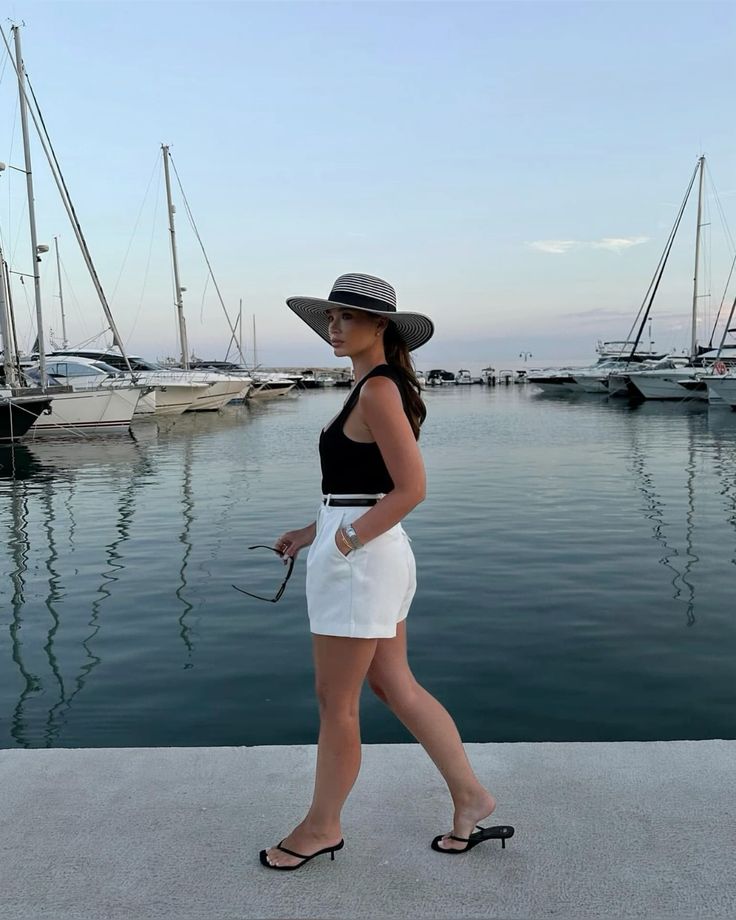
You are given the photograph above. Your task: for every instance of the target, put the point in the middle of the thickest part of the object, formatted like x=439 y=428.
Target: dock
x=603 y=830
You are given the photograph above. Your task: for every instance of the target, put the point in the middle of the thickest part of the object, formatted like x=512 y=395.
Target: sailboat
x=68 y=412
x=222 y=387
x=19 y=408
x=681 y=380
x=629 y=368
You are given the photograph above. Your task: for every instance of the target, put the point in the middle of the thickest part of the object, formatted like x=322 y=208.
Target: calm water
x=576 y=564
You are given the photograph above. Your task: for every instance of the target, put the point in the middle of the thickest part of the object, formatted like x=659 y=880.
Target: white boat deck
x=602 y=830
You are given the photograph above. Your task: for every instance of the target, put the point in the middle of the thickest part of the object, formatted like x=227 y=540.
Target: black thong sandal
x=501 y=832
x=304 y=859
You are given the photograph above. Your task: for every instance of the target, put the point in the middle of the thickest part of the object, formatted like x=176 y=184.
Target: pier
x=602 y=830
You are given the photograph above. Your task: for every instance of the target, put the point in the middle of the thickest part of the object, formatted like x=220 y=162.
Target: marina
x=543 y=235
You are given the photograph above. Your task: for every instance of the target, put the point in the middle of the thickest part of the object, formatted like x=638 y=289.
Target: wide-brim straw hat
x=369 y=294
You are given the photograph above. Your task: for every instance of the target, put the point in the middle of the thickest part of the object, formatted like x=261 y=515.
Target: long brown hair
x=399 y=357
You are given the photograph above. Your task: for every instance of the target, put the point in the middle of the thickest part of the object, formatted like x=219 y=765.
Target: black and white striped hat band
x=366 y=293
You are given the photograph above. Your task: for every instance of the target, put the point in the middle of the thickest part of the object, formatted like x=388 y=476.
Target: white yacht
x=230 y=371
x=593 y=379
x=555 y=380
x=683 y=380
x=177 y=390
x=83 y=399
x=721 y=388
x=271 y=386
x=87 y=374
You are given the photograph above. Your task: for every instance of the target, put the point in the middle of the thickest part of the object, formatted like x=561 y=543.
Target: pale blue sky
x=448 y=147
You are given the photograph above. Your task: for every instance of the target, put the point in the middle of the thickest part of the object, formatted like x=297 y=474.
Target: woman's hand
x=289 y=543
x=341 y=542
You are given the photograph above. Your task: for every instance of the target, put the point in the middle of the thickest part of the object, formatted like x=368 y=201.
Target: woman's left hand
x=341 y=542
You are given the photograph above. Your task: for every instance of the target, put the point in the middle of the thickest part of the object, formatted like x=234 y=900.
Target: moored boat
x=18 y=413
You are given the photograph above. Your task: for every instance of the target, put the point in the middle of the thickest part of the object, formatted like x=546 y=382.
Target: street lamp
x=525 y=355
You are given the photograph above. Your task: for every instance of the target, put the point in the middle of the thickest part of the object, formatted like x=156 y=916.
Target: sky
x=513 y=169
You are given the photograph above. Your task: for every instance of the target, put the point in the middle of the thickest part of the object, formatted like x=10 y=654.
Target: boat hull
x=618 y=385
x=591 y=384
x=176 y=398
x=270 y=391
x=656 y=387
x=723 y=389
x=108 y=410
x=218 y=395
x=556 y=386
x=18 y=414
x=146 y=404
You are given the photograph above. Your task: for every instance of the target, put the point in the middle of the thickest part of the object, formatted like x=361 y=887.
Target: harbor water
x=575 y=558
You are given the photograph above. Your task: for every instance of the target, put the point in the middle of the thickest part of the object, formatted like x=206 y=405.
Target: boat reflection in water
x=19 y=462
x=82 y=524
x=49 y=628
x=708 y=462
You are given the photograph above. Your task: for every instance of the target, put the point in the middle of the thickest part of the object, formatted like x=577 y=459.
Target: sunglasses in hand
x=282 y=587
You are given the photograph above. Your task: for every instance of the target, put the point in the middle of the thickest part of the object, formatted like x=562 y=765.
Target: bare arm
x=289 y=543
x=382 y=412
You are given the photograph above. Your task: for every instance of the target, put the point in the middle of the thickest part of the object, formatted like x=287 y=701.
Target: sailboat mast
x=240 y=329
x=31 y=211
x=694 y=335
x=255 y=353
x=175 y=263
x=64 y=340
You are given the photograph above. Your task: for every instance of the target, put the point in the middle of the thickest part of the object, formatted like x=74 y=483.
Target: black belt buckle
x=350 y=502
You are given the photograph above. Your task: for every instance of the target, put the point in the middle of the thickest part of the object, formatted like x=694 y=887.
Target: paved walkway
x=602 y=830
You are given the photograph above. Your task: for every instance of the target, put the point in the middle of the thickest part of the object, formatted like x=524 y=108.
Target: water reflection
x=654 y=509
x=708 y=437
x=36 y=531
x=187 y=506
x=49 y=534
x=721 y=424
x=19 y=462
x=20 y=550
x=109 y=554
x=58 y=503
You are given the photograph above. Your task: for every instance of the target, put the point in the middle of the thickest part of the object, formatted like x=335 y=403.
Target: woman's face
x=352 y=331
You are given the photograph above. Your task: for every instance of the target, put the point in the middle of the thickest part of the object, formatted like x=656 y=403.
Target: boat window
x=70 y=369
x=107 y=368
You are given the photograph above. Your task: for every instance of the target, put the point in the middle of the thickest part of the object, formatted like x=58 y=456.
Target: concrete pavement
x=602 y=830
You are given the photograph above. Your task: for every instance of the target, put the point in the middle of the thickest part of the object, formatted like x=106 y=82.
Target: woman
x=360 y=568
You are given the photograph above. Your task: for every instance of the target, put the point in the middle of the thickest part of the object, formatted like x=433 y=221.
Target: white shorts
x=362 y=595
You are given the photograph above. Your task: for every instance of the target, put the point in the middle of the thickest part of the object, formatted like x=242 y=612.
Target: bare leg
x=340 y=668
x=392 y=681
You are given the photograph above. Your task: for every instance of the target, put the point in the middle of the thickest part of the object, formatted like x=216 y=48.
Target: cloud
x=554 y=245
x=616 y=244
x=610 y=243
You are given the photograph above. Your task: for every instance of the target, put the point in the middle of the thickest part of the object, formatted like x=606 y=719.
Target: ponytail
x=399 y=357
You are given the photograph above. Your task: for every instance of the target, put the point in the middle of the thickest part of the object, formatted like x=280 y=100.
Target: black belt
x=350 y=502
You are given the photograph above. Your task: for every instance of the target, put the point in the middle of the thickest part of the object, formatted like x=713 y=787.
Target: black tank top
x=348 y=466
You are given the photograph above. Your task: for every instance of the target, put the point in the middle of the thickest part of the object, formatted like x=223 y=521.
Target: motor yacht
x=84 y=399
